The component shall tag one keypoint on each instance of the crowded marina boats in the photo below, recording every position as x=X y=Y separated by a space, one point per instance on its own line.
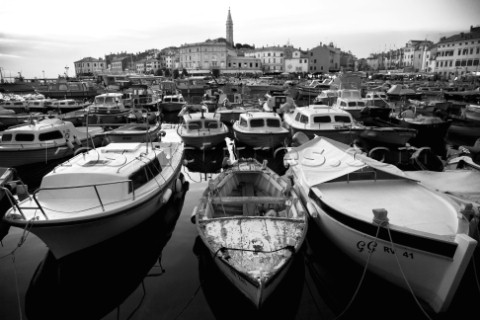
x=407 y=134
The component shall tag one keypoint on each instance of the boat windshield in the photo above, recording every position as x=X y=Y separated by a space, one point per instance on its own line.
x=106 y=100
x=343 y=119
x=274 y=123
x=211 y=124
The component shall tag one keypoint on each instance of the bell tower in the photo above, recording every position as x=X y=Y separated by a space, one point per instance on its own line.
x=229 y=29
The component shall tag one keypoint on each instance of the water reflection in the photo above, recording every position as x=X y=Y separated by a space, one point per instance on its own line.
x=91 y=283
x=227 y=302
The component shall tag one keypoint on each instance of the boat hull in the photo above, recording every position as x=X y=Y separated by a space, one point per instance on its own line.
x=463 y=133
x=386 y=136
x=257 y=293
x=432 y=278
x=347 y=136
x=269 y=140
x=67 y=238
x=172 y=106
x=205 y=141
x=15 y=157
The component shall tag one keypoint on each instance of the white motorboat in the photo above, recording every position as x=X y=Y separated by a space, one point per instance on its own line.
x=99 y=194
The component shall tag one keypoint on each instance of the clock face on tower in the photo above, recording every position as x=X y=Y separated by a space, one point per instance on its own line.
x=289 y=66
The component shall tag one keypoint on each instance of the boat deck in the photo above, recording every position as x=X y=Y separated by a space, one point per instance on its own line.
x=408 y=204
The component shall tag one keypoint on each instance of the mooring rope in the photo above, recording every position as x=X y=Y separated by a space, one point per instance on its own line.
x=404 y=277
x=17 y=287
x=362 y=278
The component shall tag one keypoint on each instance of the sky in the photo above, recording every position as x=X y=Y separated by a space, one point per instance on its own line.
x=44 y=38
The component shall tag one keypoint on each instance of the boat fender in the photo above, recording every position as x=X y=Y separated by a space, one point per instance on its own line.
x=193 y=216
x=166 y=195
x=77 y=140
x=178 y=186
x=271 y=213
x=380 y=216
x=69 y=144
x=311 y=209
x=11 y=186
x=22 y=191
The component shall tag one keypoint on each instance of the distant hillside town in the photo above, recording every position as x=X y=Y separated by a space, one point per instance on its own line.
x=452 y=56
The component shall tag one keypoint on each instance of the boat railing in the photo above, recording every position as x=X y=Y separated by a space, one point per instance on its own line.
x=45 y=144
x=101 y=204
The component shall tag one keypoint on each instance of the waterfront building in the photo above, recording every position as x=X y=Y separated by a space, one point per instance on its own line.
x=89 y=66
x=298 y=63
x=324 y=59
x=272 y=58
x=459 y=54
x=140 y=66
x=169 y=58
x=205 y=56
x=347 y=61
x=121 y=63
x=238 y=64
x=151 y=66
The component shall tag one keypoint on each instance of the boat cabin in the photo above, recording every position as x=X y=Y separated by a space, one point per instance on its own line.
x=322 y=116
x=173 y=99
x=108 y=103
x=259 y=120
x=201 y=121
x=39 y=132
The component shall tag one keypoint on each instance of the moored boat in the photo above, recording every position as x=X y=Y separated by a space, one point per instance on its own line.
x=253 y=225
x=172 y=103
x=406 y=233
x=323 y=120
x=107 y=108
x=350 y=100
x=66 y=105
x=260 y=130
x=45 y=140
x=99 y=194
x=202 y=130
x=135 y=132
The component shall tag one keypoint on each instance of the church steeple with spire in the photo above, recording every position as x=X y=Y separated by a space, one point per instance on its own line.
x=229 y=28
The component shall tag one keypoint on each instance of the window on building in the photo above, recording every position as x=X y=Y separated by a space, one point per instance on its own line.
x=475 y=62
x=469 y=63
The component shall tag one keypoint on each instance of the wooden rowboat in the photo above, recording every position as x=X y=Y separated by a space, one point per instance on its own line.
x=253 y=224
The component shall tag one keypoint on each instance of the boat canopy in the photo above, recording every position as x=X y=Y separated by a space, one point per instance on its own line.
x=464 y=184
x=321 y=160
